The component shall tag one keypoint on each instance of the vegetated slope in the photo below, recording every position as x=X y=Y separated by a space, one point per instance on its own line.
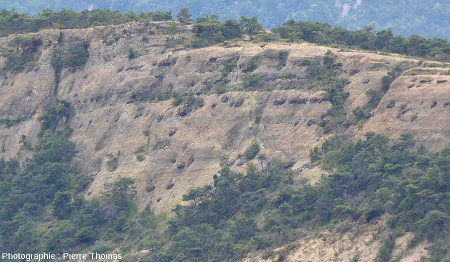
x=170 y=118
x=209 y=31
x=428 y=18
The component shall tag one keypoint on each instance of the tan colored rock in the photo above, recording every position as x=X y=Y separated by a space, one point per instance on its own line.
x=354 y=243
x=414 y=104
x=168 y=154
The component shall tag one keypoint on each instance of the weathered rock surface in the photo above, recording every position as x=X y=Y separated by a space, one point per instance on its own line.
x=417 y=104
x=168 y=149
x=120 y=110
x=349 y=243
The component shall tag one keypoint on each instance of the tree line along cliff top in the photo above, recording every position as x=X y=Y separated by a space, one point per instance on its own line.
x=427 y=17
x=209 y=30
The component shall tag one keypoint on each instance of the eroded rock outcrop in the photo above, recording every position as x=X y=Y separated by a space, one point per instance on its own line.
x=126 y=110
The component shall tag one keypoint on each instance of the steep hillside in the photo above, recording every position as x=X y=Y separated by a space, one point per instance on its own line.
x=170 y=118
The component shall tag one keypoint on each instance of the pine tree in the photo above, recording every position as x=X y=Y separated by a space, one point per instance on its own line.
x=184 y=16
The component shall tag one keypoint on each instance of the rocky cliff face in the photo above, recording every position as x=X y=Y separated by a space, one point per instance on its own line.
x=171 y=117
x=347 y=243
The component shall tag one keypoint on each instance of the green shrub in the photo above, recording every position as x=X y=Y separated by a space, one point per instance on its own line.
x=335 y=118
x=385 y=252
x=252 y=66
x=282 y=58
x=140 y=153
x=44 y=183
x=250 y=26
x=252 y=82
x=178 y=101
x=20 y=54
x=53 y=116
x=112 y=163
x=267 y=37
x=172 y=42
x=9 y=122
x=209 y=31
x=387 y=80
x=76 y=55
x=191 y=103
x=228 y=67
x=161 y=144
x=61 y=204
x=258 y=119
x=146 y=95
x=183 y=16
x=57 y=62
x=172 y=30
x=314 y=154
x=314 y=68
x=365 y=38
x=433 y=223
x=252 y=152
x=104 y=248
x=359 y=114
x=132 y=54
x=221 y=88
x=16 y=23
x=391 y=104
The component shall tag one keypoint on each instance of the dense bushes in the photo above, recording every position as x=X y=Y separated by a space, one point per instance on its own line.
x=132 y=53
x=43 y=208
x=189 y=103
x=172 y=30
x=251 y=152
x=209 y=30
x=12 y=22
x=26 y=194
x=427 y=17
x=74 y=56
x=238 y=213
x=367 y=38
x=323 y=75
x=252 y=82
x=20 y=53
x=370 y=178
